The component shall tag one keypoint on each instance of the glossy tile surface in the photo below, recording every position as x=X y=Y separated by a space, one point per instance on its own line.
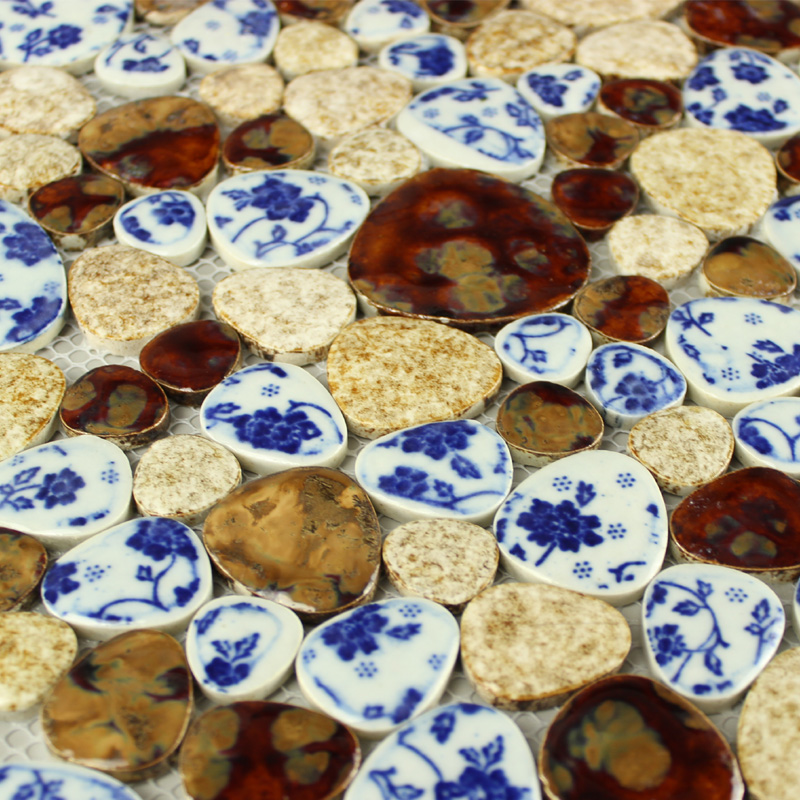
x=23 y=563
x=592 y=139
x=74 y=783
x=556 y=89
x=651 y=105
x=768 y=435
x=594 y=199
x=271 y=141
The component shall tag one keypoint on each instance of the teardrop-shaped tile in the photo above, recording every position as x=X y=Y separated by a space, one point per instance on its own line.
x=24 y=560
x=768 y=435
x=74 y=783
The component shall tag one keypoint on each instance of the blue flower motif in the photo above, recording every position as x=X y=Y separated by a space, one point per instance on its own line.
x=640 y=393
x=548 y=88
x=436 y=440
x=356 y=632
x=703 y=77
x=173 y=210
x=483 y=779
x=58 y=581
x=743 y=118
x=64 y=36
x=402 y=7
x=132 y=225
x=433 y=61
x=749 y=434
x=268 y=429
x=160 y=538
x=60 y=488
x=667 y=642
x=256 y=23
x=223 y=669
x=751 y=73
x=700 y=114
x=779 y=106
x=279 y=199
x=149 y=64
x=770 y=373
x=405 y=482
x=33 y=320
x=29 y=244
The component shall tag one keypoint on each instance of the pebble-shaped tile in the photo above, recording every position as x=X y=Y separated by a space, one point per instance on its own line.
x=285 y=218
x=781 y=230
x=66 y=491
x=595 y=523
x=30 y=160
x=476 y=123
x=375 y=23
x=529 y=646
x=311 y=45
x=457 y=469
x=768 y=435
x=591 y=139
x=307 y=538
x=283 y=750
x=33 y=292
x=37 y=651
x=275 y=417
x=588 y=15
x=376 y=666
x=460 y=18
x=787 y=160
x=123 y=708
x=709 y=631
x=556 y=89
x=626 y=382
x=169 y=224
x=140 y=65
x=650 y=105
x=448 y=561
x=727 y=373
x=227 y=32
x=24 y=561
x=242 y=648
x=144 y=573
x=548 y=347
x=447 y=750
x=271 y=141
x=428 y=60
x=73 y=782
x=241 y=93
x=331 y=11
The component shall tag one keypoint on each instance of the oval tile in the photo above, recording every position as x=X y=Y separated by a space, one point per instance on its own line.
x=24 y=561
x=374 y=23
x=556 y=89
x=768 y=435
x=74 y=783
x=650 y=105
x=463 y=16
x=331 y=11
x=271 y=141
x=427 y=60
x=591 y=139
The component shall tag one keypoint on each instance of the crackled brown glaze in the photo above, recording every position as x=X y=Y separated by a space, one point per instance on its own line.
x=591 y=139
x=594 y=199
x=651 y=105
x=272 y=141
x=23 y=560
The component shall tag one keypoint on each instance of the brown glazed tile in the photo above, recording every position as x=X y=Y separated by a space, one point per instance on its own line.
x=307 y=538
x=272 y=141
x=650 y=105
x=123 y=708
x=483 y=252
x=462 y=13
x=23 y=561
x=267 y=750
x=331 y=11
x=787 y=160
x=591 y=139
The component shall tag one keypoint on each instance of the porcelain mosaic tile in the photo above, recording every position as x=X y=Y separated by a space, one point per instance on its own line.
x=242 y=648
x=331 y=11
x=375 y=23
x=768 y=435
x=145 y=573
x=427 y=60
x=24 y=560
x=556 y=89
x=595 y=523
x=376 y=666
x=66 y=491
x=650 y=105
x=781 y=231
x=30 y=160
x=237 y=94
x=455 y=749
x=591 y=139
x=459 y=19
x=586 y=15
x=165 y=12
x=311 y=45
x=787 y=160
x=271 y=141
x=73 y=782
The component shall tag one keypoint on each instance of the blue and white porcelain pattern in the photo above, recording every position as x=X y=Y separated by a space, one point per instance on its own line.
x=781 y=228
x=768 y=435
x=65 y=491
x=544 y=347
x=594 y=522
x=461 y=750
x=286 y=218
x=556 y=89
x=456 y=469
x=727 y=372
x=375 y=23
x=378 y=665
x=33 y=285
x=626 y=382
x=796 y=609
x=170 y=224
x=151 y=572
x=709 y=631
x=743 y=90
x=274 y=417
x=427 y=61
x=242 y=648
x=140 y=65
x=478 y=124
x=60 y=33
x=47 y=780
x=224 y=33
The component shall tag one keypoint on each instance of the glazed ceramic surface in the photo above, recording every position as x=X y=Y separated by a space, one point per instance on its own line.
x=781 y=229
x=459 y=469
x=373 y=23
x=70 y=782
x=271 y=141
x=592 y=139
x=24 y=560
x=595 y=523
x=379 y=665
x=593 y=198
x=556 y=89
x=651 y=105
x=427 y=61
x=768 y=435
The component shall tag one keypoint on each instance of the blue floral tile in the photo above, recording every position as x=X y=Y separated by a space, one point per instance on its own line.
x=727 y=372
x=544 y=347
x=738 y=89
x=461 y=750
x=478 y=124
x=140 y=65
x=796 y=609
x=33 y=286
x=223 y=33
x=593 y=522
x=427 y=61
x=457 y=469
x=242 y=648
x=145 y=573
x=170 y=224
x=709 y=631
x=60 y=781
x=374 y=23
x=60 y=33
x=556 y=89
x=781 y=228
x=275 y=417
x=768 y=435
x=379 y=665
x=287 y=218
x=626 y=382
x=65 y=491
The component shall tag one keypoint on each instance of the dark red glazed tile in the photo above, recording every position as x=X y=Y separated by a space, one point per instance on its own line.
x=591 y=139
x=189 y=360
x=466 y=248
x=117 y=403
x=788 y=161
x=594 y=199
x=331 y=11
x=650 y=105
x=467 y=13
x=748 y=519
x=272 y=141
x=629 y=738
x=625 y=308
x=23 y=561
x=250 y=750
x=157 y=143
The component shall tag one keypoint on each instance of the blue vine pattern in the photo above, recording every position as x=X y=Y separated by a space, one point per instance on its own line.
x=433 y=62
x=40 y=788
x=750 y=434
x=170 y=208
x=150 y=63
x=535 y=358
x=54 y=489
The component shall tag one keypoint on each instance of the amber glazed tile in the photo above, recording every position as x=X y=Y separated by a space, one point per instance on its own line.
x=650 y=105
x=307 y=538
x=629 y=738
x=272 y=141
x=123 y=708
x=331 y=11
x=787 y=160
x=591 y=139
x=23 y=560
x=250 y=750
x=462 y=13
x=158 y=143
x=748 y=519
x=483 y=252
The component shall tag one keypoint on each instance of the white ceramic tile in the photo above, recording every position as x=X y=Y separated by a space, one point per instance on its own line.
x=68 y=780
x=374 y=23
x=428 y=60
x=768 y=435
x=781 y=229
x=556 y=89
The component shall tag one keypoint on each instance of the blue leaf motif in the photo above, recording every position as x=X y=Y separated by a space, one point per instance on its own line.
x=622 y=358
x=223 y=647
x=404 y=632
x=704 y=589
x=713 y=663
x=585 y=493
x=443 y=726
x=25 y=476
x=144 y=573
x=244 y=647
x=278 y=233
x=472 y=755
x=761 y=611
x=476 y=134
x=9 y=304
x=207 y=621
x=687 y=608
x=470 y=119
x=464 y=467
x=22 y=503
x=766 y=346
x=493 y=752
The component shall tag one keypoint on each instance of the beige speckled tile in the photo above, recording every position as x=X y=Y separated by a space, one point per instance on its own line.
x=309 y=46
x=30 y=160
